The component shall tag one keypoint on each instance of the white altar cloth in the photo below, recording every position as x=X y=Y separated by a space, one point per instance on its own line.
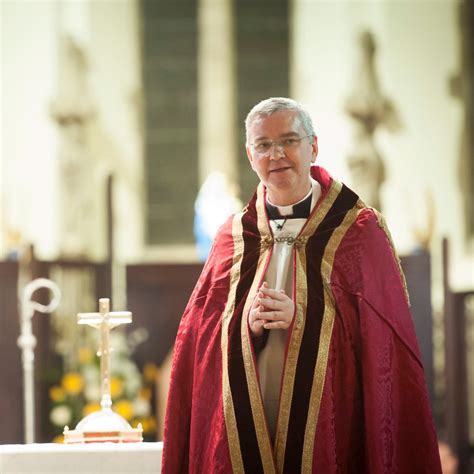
x=93 y=458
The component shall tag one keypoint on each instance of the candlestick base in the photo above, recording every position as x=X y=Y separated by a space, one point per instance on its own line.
x=101 y=427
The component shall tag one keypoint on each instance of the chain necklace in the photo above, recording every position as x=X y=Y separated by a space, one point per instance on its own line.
x=280 y=226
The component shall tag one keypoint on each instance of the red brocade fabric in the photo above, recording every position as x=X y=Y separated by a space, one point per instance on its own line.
x=195 y=430
x=374 y=414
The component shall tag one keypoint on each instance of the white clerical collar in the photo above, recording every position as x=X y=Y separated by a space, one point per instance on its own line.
x=288 y=210
x=315 y=190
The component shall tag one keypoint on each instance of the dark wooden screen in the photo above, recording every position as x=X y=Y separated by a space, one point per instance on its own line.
x=157 y=295
x=11 y=394
x=417 y=269
x=457 y=405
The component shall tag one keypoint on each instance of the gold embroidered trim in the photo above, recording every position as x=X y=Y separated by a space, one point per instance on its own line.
x=301 y=297
x=317 y=217
x=325 y=339
x=383 y=225
x=291 y=358
x=266 y=241
x=229 y=413
x=256 y=403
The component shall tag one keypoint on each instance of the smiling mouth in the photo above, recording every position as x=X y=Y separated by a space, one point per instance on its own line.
x=280 y=170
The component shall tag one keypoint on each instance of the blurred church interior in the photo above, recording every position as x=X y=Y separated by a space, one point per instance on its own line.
x=117 y=113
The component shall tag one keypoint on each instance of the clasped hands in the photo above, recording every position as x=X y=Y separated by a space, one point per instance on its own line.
x=271 y=309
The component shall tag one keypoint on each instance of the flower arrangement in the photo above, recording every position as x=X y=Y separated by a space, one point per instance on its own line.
x=76 y=393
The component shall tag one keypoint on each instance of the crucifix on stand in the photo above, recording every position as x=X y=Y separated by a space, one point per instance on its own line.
x=104 y=425
x=105 y=320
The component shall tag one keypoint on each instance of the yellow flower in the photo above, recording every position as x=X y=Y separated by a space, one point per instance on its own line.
x=58 y=439
x=145 y=393
x=124 y=408
x=86 y=355
x=56 y=394
x=72 y=383
x=116 y=387
x=149 y=372
x=90 y=408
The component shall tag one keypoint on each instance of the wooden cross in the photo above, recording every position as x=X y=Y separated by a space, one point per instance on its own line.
x=105 y=320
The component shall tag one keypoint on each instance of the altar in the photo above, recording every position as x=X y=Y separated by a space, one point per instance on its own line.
x=93 y=458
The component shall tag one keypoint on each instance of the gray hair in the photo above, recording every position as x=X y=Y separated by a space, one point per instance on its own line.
x=275 y=104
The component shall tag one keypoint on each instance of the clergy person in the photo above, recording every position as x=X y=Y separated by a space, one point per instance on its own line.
x=297 y=351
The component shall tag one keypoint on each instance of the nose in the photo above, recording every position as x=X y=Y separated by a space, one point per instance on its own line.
x=276 y=151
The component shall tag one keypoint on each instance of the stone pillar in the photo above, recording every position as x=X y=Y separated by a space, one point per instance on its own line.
x=216 y=90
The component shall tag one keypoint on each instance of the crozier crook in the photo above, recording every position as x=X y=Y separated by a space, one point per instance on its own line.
x=27 y=343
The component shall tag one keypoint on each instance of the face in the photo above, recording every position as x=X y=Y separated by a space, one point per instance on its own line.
x=283 y=170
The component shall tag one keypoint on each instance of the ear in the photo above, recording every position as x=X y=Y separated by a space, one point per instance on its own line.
x=250 y=157
x=314 y=149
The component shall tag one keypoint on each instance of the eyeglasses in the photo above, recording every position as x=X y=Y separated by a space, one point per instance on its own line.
x=287 y=144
